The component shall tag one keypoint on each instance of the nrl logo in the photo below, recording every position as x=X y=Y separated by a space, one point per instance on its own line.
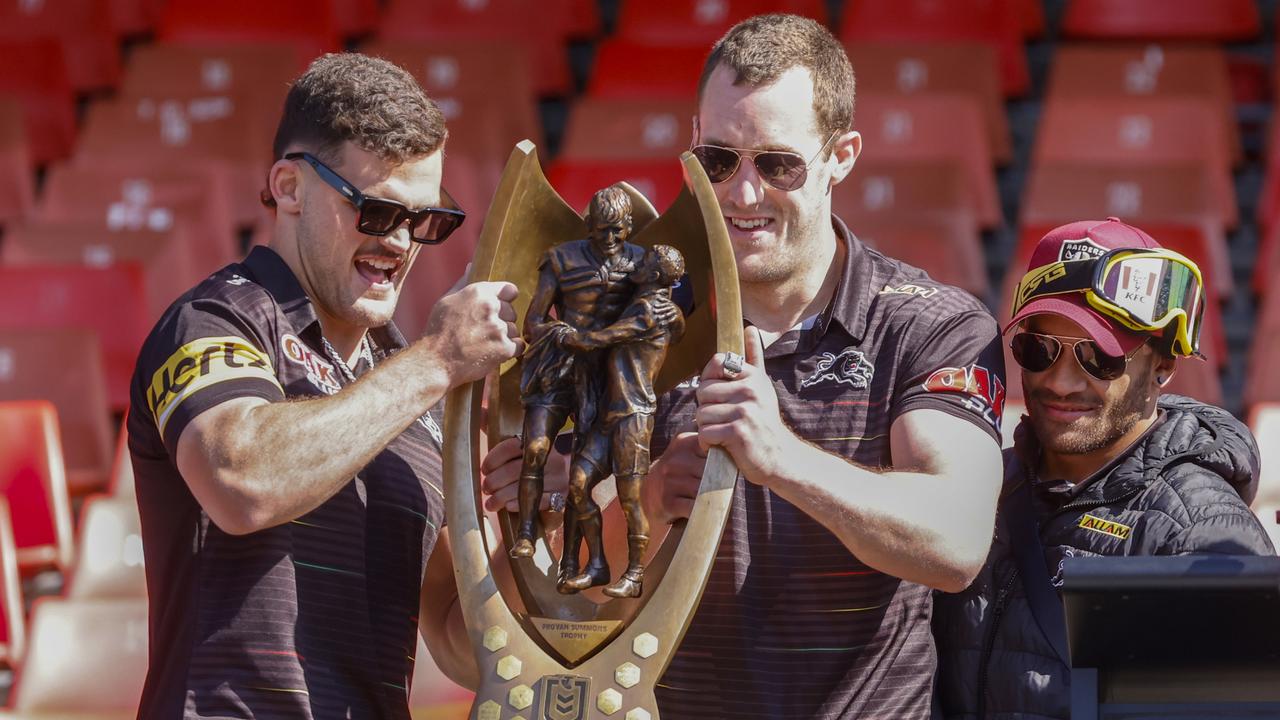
x=850 y=367
x=564 y=697
x=910 y=289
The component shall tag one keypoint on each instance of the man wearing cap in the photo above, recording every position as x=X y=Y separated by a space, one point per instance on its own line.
x=1102 y=464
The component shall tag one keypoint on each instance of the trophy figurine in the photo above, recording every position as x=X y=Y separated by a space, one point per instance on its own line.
x=605 y=338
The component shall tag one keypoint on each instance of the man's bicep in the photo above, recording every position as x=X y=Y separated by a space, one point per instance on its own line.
x=201 y=452
x=935 y=442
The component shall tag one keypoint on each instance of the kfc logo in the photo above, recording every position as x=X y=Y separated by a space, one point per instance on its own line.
x=850 y=368
x=319 y=372
x=983 y=390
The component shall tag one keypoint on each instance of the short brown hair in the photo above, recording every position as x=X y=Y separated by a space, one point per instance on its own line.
x=669 y=261
x=349 y=97
x=760 y=49
x=612 y=204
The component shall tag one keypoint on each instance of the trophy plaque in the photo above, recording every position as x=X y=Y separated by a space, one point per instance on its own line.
x=554 y=653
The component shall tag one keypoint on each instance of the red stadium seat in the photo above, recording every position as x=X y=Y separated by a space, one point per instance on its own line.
x=1192 y=72
x=1264 y=422
x=1175 y=201
x=669 y=72
x=432 y=695
x=997 y=23
x=658 y=180
x=306 y=26
x=109 y=557
x=1267 y=263
x=34 y=74
x=918 y=68
x=537 y=29
x=700 y=22
x=135 y=17
x=65 y=368
x=1147 y=131
x=1218 y=20
x=353 y=18
x=83 y=30
x=122 y=484
x=179 y=131
x=13 y=616
x=34 y=483
x=164 y=255
x=1032 y=14
x=191 y=196
x=87 y=659
x=258 y=73
x=918 y=212
x=109 y=301
x=610 y=130
x=1197 y=379
x=932 y=127
x=16 y=182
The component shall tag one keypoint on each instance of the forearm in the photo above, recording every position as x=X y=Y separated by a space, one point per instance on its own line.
x=930 y=529
x=274 y=462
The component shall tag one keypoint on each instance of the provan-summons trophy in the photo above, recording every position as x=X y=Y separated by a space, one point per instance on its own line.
x=606 y=337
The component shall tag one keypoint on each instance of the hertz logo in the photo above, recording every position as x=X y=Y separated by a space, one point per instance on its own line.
x=199 y=364
x=1106 y=527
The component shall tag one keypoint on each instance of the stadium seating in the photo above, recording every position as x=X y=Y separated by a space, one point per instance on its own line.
x=65 y=368
x=161 y=133
x=699 y=22
x=1192 y=72
x=164 y=256
x=33 y=481
x=932 y=127
x=109 y=554
x=658 y=180
x=537 y=29
x=86 y=659
x=109 y=301
x=132 y=18
x=17 y=189
x=611 y=130
x=670 y=73
x=1142 y=131
x=13 y=615
x=306 y=26
x=121 y=484
x=82 y=29
x=965 y=68
x=1264 y=422
x=192 y=197
x=997 y=23
x=35 y=74
x=1162 y=19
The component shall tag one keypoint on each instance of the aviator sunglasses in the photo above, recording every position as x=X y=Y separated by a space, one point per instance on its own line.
x=782 y=169
x=379 y=216
x=1036 y=353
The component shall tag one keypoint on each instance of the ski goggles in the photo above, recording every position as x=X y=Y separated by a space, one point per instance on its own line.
x=1150 y=290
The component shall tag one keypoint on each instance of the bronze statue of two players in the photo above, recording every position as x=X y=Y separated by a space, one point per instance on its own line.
x=605 y=340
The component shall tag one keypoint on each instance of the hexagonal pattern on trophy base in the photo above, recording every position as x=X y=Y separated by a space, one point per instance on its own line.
x=509 y=667
x=645 y=645
x=609 y=701
x=495 y=638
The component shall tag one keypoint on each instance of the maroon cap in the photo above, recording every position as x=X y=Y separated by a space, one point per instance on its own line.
x=1085 y=240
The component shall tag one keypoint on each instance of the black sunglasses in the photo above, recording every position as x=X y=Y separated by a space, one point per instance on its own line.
x=379 y=216
x=1036 y=353
x=782 y=169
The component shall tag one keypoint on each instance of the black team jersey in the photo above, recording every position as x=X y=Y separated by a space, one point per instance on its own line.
x=792 y=625
x=314 y=618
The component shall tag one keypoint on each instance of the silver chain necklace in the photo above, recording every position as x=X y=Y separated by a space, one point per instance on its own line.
x=342 y=364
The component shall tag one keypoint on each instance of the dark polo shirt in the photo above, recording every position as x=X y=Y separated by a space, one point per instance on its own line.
x=315 y=618
x=792 y=625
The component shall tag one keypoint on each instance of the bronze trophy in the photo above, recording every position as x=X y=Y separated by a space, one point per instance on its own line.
x=605 y=340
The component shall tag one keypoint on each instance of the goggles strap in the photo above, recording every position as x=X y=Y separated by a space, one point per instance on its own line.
x=1054 y=279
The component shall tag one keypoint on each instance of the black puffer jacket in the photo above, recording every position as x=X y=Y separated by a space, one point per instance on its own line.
x=1183 y=488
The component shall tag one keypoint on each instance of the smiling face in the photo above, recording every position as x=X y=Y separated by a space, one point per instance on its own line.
x=354 y=279
x=1076 y=414
x=775 y=233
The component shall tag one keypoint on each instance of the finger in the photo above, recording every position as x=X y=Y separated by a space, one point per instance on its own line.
x=716 y=435
x=507 y=291
x=507 y=497
x=687 y=440
x=501 y=453
x=754 y=346
x=512 y=331
x=718 y=414
x=507 y=312
x=725 y=391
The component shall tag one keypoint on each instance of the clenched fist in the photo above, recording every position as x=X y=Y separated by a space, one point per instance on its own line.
x=472 y=330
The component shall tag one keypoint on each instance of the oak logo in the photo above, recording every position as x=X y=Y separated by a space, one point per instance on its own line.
x=1106 y=527
x=983 y=390
x=199 y=364
x=319 y=372
x=910 y=289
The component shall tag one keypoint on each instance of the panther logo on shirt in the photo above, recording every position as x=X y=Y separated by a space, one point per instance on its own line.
x=849 y=367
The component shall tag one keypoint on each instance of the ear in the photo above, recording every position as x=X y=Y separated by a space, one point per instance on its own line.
x=1166 y=367
x=285 y=184
x=845 y=149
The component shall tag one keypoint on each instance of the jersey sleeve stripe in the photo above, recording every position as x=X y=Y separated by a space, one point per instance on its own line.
x=200 y=364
